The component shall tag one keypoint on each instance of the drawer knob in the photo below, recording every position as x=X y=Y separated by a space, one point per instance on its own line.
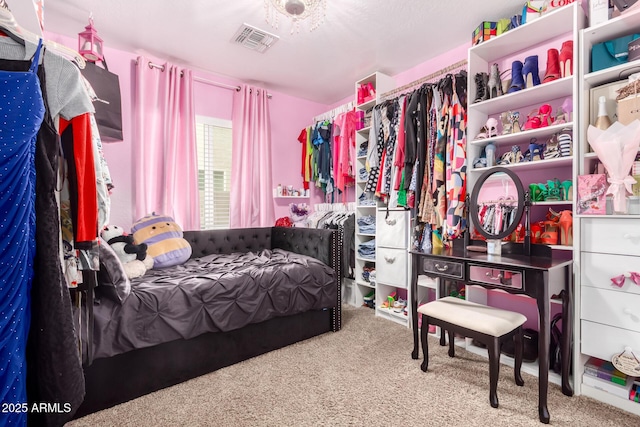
x=498 y=277
x=627 y=311
x=390 y=221
x=631 y=236
x=389 y=259
x=441 y=267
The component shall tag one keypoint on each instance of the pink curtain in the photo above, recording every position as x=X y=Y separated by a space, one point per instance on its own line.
x=166 y=167
x=251 y=189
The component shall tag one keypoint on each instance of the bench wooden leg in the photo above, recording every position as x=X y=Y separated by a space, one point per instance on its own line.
x=518 y=339
x=494 y=370
x=425 y=345
x=452 y=345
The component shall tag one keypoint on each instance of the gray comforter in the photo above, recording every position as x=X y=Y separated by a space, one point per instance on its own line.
x=213 y=293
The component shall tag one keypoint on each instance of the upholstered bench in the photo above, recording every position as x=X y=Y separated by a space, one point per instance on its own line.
x=488 y=325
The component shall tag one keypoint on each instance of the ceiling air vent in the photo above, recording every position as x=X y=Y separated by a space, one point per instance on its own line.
x=254 y=39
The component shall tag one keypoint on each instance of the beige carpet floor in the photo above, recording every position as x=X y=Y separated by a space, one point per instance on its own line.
x=362 y=375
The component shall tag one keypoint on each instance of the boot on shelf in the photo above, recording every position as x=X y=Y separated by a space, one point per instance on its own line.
x=482 y=92
x=531 y=72
x=517 y=78
x=494 y=83
x=566 y=59
x=553 y=66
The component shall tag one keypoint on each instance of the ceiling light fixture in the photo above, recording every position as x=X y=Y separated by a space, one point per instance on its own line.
x=296 y=10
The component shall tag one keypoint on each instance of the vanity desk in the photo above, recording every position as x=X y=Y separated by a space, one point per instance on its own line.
x=514 y=273
x=516 y=268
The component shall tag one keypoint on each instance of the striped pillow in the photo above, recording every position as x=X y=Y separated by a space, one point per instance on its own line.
x=163 y=238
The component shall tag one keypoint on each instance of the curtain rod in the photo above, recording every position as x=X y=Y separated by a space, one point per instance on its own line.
x=201 y=80
x=425 y=79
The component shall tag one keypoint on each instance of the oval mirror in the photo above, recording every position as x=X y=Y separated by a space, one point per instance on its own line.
x=497 y=203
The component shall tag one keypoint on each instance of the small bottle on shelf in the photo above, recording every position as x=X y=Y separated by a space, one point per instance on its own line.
x=602 y=121
x=279 y=190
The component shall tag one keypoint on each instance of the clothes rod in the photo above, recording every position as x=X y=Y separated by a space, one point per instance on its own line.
x=334 y=112
x=425 y=79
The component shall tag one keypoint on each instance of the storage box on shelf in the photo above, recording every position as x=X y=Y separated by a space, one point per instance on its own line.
x=609 y=245
x=550 y=31
x=392 y=263
x=366 y=205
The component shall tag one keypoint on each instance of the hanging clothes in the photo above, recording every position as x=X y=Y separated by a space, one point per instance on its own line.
x=456 y=162
x=305 y=164
x=54 y=367
x=22 y=114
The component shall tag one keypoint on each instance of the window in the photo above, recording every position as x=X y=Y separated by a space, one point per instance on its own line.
x=213 y=137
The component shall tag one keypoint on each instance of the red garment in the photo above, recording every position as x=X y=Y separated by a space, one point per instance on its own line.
x=304 y=168
x=400 y=144
x=78 y=150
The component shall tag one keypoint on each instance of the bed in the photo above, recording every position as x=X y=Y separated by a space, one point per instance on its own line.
x=213 y=310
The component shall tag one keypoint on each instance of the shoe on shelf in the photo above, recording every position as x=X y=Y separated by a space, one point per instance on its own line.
x=507 y=125
x=535 y=193
x=550 y=234
x=565 y=224
x=533 y=121
x=534 y=153
x=552 y=148
x=370 y=296
x=482 y=92
x=490 y=154
x=399 y=305
x=563 y=114
x=530 y=71
x=553 y=66
x=512 y=156
x=494 y=84
x=514 y=117
x=489 y=130
x=567 y=187
x=544 y=112
x=566 y=59
x=505 y=78
x=517 y=78
x=565 y=142
x=554 y=192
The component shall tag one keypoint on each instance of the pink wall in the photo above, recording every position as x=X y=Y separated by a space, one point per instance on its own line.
x=288 y=116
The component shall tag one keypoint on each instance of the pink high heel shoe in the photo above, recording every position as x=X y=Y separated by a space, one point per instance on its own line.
x=545 y=115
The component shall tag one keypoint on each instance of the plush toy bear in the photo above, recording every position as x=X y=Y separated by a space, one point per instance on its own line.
x=164 y=237
x=134 y=258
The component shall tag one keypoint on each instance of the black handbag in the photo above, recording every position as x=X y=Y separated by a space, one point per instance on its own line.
x=107 y=101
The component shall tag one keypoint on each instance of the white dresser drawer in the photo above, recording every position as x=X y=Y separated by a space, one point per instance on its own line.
x=604 y=341
x=611 y=235
x=597 y=270
x=391 y=230
x=619 y=309
x=391 y=267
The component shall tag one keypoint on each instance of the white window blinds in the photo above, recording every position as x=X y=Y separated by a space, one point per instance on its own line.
x=213 y=137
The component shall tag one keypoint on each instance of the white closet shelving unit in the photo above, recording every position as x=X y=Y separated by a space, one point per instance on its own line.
x=533 y=38
x=381 y=83
x=606 y=315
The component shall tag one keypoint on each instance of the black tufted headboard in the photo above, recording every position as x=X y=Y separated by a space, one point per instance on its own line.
x=317 y=243
x=207 y=242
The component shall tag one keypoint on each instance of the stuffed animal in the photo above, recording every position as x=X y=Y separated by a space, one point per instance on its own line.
x=134 y=258
x=164 y=239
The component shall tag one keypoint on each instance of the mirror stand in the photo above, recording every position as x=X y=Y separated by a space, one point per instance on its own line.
x=527 y=224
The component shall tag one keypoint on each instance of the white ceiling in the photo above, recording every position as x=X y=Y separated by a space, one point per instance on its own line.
x=357 y=38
